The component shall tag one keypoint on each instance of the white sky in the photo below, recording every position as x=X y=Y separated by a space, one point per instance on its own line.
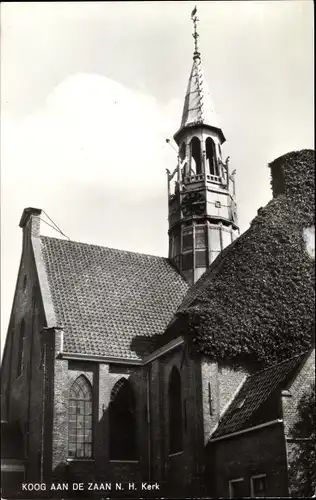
x=90 y=91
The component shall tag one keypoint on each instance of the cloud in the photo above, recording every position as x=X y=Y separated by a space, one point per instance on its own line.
x=94 y=157
x=91 y=127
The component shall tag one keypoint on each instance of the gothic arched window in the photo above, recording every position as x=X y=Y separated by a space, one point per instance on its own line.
x=122 y=433
x=80 y=419
x=211 y=156
x=175 y=412
x=196 y=165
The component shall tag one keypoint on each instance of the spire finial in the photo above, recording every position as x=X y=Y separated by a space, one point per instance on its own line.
x=195 y=34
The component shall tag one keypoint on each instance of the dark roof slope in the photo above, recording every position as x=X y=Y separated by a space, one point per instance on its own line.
x=110 y=302
x=255 y=304
x=254 y=393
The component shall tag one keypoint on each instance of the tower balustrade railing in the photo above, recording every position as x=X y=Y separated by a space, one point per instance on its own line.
x=200 y=177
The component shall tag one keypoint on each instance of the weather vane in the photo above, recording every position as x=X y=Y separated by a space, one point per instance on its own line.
x=195 y=35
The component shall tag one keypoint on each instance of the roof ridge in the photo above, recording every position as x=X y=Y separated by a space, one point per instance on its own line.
x=102 y=246
x=279 y=363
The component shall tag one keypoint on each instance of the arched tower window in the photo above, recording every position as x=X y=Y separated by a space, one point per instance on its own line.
x=211 y=156
x=80 y=419
x=175 y=412
x=122 y=422
x=182 y=151
x=21 y=348
x=182 y=155
x=196 y=164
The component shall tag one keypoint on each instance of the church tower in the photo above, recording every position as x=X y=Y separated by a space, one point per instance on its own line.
x=201 y=190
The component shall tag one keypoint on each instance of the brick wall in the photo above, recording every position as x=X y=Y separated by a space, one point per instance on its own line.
x=300 y=385
x=219 y=386
x=257 y=452
x=47 y=410
x=100 y=468
x=181 y=472
x=22 y=394
x=36 y=387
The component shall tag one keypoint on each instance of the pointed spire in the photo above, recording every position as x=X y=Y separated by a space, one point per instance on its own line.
x=198 y=106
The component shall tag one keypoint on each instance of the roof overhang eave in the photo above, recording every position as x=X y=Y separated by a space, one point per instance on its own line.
x=179 y=134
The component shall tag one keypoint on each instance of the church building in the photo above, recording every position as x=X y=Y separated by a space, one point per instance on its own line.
x=174 y=376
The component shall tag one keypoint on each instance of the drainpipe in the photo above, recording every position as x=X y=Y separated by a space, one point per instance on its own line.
x=149 y=421
x=43 y=413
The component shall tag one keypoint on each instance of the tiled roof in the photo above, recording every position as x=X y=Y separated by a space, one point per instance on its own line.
x=254 y=393
x=110 y=302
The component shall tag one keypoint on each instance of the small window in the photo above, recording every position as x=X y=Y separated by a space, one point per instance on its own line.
x=187 y=261
x=236 y=488
x=201 y=258
x=215 y=239
x=258 y=486
x=80 y=419
x=218 y=204
x=200 y=237
x=187 y=239
x=21 y=349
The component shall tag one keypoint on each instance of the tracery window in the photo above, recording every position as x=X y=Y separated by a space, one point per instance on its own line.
x=80 y=419
x=175 y=412
x=122 y=420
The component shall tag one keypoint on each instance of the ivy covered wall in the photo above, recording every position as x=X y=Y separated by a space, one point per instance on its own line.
x=255 y=304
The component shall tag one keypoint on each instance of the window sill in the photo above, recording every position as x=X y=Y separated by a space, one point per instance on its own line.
x=80 y=459
x=175 y=454
x=124 y=461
